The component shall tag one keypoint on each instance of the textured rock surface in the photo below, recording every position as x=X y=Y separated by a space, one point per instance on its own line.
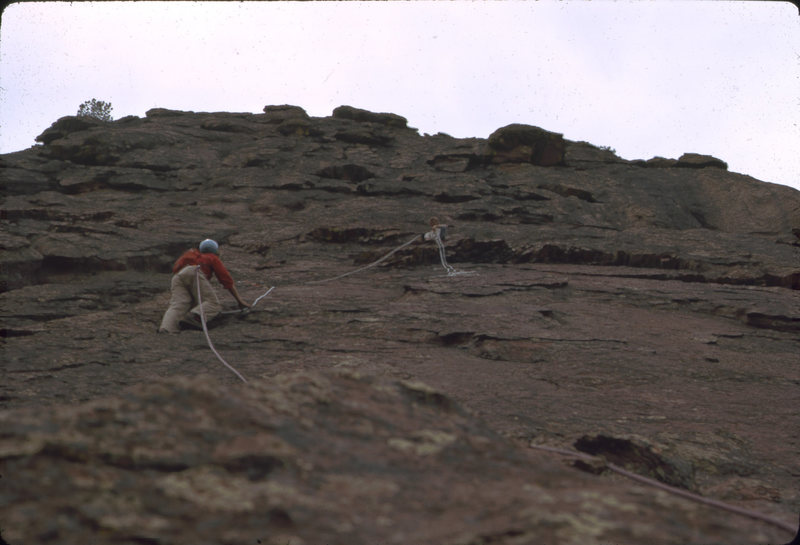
x=647 y=311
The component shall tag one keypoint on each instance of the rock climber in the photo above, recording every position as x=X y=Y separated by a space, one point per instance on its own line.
x=437 y=230
x=183 y=304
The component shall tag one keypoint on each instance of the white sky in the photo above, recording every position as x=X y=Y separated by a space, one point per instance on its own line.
x=646 y=78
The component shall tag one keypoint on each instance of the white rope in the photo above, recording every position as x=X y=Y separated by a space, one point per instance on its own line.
x=262 y=296
x=364 y=268
x=451 y=271
x=203 y=317
x=241 y=310
x=205 y=327
x=667 y=488
x=374 y=263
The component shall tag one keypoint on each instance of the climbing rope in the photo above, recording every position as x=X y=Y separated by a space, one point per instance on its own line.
x=451 y=271
x=667 y=488
x=205 y=326
x=365 y=267
x=261 y=297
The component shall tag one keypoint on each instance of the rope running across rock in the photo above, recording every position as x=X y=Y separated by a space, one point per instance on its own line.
x=451 y=270
x=612 y=467
x=667 y=488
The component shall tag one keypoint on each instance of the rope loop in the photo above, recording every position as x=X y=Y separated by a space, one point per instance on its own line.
x=451 y=271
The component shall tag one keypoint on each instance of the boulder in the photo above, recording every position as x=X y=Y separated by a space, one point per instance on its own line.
x=696 y=160
x=68 y=125
x=660 y=162
x=281 y=113
x=519 y=143
x=365 y=116
x=165 y=112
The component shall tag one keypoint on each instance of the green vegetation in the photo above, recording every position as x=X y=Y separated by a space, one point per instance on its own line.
x=96 y=108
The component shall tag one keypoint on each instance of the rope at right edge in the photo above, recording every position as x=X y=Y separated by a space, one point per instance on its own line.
x=667 y=488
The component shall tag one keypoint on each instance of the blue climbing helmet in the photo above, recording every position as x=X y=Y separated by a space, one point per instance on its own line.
x=208 y=246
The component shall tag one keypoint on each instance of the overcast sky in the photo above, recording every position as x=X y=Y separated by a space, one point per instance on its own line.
x=647 y=78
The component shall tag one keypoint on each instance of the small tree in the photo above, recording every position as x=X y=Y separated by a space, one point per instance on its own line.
x=96 y=108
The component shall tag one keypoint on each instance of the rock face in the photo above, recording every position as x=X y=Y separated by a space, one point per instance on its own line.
x=645 y=311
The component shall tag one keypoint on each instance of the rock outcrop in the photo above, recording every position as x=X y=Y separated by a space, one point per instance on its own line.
x=525 y=144
x=645 y=311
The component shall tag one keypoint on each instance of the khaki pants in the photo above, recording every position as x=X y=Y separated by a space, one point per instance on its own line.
x=183 y=299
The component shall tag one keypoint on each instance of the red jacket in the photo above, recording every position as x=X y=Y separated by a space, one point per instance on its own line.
x=208 y=263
